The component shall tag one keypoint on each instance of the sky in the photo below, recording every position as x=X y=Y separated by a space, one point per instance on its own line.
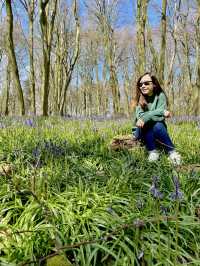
x=126 y=12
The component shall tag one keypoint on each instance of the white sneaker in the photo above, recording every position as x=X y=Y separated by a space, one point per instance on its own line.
x=175 y=157
x=153 y=156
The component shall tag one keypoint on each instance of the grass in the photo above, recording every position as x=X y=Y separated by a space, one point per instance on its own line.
x=70 y=198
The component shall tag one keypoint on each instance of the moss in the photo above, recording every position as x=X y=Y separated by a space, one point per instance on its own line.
x=58 y=260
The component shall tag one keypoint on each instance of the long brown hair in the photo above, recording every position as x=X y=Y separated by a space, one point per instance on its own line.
x=140 y=98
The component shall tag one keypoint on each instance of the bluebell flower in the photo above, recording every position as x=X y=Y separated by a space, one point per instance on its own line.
x=154 y=188
x=110 y=210
x=2 y=125
x=177 y=194
x=36 y=152
x=164 y=210
x=29 y=122
x=156 y=193
x=54 y=148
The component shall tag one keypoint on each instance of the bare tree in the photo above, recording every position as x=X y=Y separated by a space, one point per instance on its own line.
x=173 y=29
x=197 y=81
x=47 y=18
x=104 y=15
x=29 y=6
x=163 y=41
x=7 y=90
x=69 y=64
x=141 y=19
x=65 y=54
x=12 y=57
x=153 y=51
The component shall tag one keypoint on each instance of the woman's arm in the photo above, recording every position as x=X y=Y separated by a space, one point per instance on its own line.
x=139 y=112
x=159 y=111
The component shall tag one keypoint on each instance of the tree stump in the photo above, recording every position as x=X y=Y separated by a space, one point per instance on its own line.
x=123 y=142
x=6 y=169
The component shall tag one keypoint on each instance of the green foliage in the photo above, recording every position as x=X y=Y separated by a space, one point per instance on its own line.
x=58 y=261
x=68 y=194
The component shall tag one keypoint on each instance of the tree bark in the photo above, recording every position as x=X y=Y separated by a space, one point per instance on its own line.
x=163 y=42
x=141 y=43
x=7 y=89
x=155 y=59
x=70 y=68
x=197 y=101
x=12 y=57
x=47 y=35
x=31 y=57
x=29 y=6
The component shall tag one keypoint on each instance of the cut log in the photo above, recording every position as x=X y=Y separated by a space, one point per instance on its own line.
x=6 y=169
x=124 y=142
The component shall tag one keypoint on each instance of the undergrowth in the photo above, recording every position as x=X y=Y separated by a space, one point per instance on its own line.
x=69 y=196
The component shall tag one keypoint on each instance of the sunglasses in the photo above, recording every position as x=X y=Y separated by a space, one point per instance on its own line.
x=146 y=83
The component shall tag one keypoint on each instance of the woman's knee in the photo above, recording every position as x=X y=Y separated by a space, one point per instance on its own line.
x=159 y=126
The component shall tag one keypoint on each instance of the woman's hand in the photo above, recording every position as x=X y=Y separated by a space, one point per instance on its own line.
x=140 y=123
x=167 y=114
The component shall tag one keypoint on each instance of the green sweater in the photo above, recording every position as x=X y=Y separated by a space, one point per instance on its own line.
x=157 y=104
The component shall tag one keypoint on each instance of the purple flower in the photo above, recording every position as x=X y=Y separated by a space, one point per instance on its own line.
x=164 y=210
x=156 y=193
x=110 y=210
x=29 y=122
x=177 y=194
x=154 y=188
x=55 y=149
x=2 y=125
x=155 y=180
x=36 y=152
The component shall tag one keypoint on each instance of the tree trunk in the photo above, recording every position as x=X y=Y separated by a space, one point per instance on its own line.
x=115 y=90
x=12 y=57
x=73 y=60
x=6 y=110
x=31 y=58
x=141 y=25
x=197 y=102
x=110 y=47
x=47 y=35
x=170 y=76
x=163 y=42
x=153 y=51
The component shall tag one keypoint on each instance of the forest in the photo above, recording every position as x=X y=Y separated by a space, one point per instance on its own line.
x=82 y=58
x=77 y=188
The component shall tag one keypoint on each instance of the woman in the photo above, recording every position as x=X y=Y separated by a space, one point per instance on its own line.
x=151 y=111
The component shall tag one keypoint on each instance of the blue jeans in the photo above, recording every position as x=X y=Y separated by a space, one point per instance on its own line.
x=154 y=133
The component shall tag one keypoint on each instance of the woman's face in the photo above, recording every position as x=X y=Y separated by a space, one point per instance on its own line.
x=146 y=85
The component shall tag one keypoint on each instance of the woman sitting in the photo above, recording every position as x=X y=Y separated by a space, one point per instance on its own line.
x=151 y=111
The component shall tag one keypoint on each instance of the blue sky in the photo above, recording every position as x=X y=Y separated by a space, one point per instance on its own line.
x=127 y=11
